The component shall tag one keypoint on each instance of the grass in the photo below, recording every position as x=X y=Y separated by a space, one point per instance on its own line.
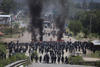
x=95 y=55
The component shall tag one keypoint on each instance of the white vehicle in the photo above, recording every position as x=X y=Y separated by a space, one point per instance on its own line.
x=5 y=19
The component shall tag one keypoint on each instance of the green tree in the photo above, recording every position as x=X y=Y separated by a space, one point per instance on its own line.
x=96 y=22
x=16 y=27
x=90 y=21
x=8 y=6
x=85 y=20
x=75 y=26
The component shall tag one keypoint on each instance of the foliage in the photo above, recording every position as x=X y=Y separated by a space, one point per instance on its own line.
x=2 y=48
x=90 y=21
x=75 y=26
x=7 y=31
x=16 y=27
x=12 y=59
x=95 y=55
x=7 y=6
x=2 y=63
x=75 y=59
x=2 y=51
x=23 y=29
x=20 y=56
x=79 y=36
x=91 y=35
x=98 y=64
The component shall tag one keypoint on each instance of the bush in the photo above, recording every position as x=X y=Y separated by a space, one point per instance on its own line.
x=91 y=35
x=20 y=56
x=2 y=63
x=98 y=64
x=12 y=59
x=2 y=48
x=75 y=59
x=95 y=55
x=16 y=57
x=75 y=26
x=7 y=31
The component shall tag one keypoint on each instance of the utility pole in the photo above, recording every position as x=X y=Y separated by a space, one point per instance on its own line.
x=91 y=15
x=11 y=26
x=90 y=23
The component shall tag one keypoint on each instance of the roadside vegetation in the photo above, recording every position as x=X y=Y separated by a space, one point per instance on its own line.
x=75 y=59
x=5 y=61
x=94 y=55
x=12 y=32
x=86 y=23
x=78 y=60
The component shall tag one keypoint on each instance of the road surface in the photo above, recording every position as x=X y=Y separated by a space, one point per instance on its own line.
x=55 y=65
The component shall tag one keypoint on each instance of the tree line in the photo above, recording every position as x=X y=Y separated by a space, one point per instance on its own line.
x=87 y=22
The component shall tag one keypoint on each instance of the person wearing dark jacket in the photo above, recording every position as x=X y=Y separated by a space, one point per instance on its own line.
x=66 y=60
x=40 y=59
x=62 y=59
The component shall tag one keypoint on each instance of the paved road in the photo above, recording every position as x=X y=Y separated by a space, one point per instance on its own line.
x=55 y=65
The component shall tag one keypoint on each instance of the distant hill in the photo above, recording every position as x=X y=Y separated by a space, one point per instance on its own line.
x=80 y=1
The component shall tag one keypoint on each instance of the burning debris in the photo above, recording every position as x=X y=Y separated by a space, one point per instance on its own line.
x=37 y=7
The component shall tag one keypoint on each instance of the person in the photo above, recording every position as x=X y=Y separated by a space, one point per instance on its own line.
x=62 y=59
x=52 y=58
x=32 y=57
x=40 y=59
x=46 y=58
x=55 y=58
x=36 y=58
x=66 y=60
x=58 y=59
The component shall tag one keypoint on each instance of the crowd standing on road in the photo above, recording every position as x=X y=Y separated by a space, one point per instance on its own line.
x=50 y=52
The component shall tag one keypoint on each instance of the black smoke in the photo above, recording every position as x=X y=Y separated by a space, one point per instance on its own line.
x=60 y=22
x=61 y=8
x=43 y=6
x=61 y=18
x=35 y=7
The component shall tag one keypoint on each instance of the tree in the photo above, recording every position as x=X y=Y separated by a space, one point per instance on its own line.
x=90 y=21
x=85 y=20
x=8 y=6
x=16 y=27
x=75 y=26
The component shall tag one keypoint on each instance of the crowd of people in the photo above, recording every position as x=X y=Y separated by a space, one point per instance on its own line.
x=49 y=52
x=17 y=48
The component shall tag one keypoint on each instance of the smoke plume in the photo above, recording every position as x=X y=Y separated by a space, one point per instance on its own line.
x=38 y=7
x=60 y=9
x=36 y=21
x=61 y=18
